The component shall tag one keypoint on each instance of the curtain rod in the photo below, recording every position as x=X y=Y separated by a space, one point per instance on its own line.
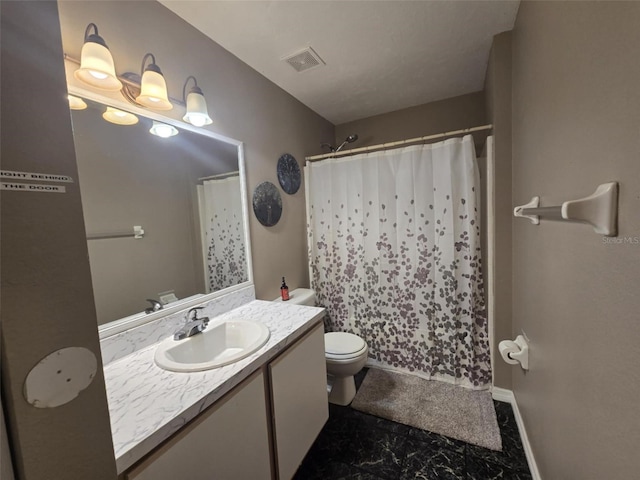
x=220 y=175
x=398 y=143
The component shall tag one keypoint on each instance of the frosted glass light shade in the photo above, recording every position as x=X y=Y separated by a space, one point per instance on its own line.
x=153 y=91
x=163 y=130
x=197 y=113
x=97 y=68
x=76 y=103
x=119 y=117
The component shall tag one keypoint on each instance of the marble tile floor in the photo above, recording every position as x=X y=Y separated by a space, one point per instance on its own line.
x=355 y=445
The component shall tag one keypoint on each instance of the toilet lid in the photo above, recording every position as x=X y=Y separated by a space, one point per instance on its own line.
x=342 y=343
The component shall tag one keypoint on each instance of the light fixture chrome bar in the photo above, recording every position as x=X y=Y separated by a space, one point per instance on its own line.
x=127 y=80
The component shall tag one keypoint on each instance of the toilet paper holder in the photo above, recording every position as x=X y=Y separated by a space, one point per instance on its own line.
x=515 y=351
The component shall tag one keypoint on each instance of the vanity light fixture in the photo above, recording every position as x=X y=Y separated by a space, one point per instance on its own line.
x=163 y=130
x=197 y=113
x=153 y=88
x=96 y=63
x=119 y=117
x=76 y=103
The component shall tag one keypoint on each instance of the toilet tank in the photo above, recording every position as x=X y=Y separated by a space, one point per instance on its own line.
x=301 y=296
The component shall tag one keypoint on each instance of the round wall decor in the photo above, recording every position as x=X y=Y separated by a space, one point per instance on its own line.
x=289 y=173
x=267 y=204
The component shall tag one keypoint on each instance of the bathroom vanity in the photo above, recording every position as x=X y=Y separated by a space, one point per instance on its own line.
x=255 y=418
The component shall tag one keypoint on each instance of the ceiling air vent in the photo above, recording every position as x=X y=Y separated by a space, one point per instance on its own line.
x=304 y=60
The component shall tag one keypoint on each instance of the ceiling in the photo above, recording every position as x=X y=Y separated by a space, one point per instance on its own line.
x=379 y=56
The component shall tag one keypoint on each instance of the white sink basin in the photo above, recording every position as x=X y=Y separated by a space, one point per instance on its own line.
x=218 y=345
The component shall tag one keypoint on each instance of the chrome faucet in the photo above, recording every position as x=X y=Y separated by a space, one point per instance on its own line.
x=155 y=306
x=193 y=326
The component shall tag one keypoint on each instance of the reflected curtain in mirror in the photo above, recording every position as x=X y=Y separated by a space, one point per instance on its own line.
x=221 y=226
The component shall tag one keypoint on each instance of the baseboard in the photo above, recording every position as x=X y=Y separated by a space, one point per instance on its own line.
x=504 y=395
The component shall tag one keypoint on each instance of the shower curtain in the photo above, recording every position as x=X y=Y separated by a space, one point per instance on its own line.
x=394 y=255
x=222 y=232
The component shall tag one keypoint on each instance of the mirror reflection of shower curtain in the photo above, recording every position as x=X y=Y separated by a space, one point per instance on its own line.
x=222 y=233
x=394 y=252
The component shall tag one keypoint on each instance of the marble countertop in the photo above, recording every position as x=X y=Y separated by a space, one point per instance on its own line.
x=148 y=404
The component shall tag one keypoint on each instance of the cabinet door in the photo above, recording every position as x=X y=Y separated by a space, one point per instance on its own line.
x=230 y=441
x=299 y=400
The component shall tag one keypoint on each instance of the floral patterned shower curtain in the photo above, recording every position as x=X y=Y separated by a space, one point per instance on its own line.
x=394 y=252
x=222 y=232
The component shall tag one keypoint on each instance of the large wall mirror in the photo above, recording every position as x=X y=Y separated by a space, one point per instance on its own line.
x=186 y=192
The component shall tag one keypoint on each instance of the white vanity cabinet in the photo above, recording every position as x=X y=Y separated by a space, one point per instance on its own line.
x=300 y=404
x=261 y=430
x=229 y=441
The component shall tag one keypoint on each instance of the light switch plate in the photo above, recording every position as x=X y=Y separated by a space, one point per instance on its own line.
x=167 y=297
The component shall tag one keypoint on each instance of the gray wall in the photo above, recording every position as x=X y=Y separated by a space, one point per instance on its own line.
x=436 y=117
x=47 y=302
x=498 y=105
x=243 y=104
x=576 y=120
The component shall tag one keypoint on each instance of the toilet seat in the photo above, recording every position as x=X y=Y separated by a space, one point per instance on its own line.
x=342 y=346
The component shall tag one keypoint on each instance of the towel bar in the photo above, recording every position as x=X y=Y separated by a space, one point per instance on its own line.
x=600 y=210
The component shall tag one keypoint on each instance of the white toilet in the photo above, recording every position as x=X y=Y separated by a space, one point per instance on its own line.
x=346 y=353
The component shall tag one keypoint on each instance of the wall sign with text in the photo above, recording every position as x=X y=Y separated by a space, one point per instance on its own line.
x=17 y=186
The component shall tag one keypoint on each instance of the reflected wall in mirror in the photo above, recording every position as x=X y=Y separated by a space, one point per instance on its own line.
x=184 y=191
